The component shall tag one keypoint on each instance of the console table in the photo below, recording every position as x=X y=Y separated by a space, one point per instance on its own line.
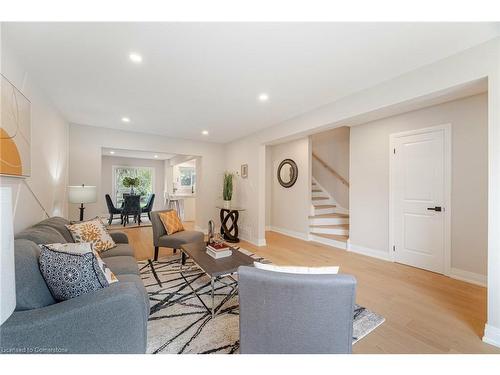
x=229 y=216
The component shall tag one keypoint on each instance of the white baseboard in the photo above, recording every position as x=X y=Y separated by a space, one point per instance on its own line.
x=260 y=242
x=268 y=228
x=470 y=277
x=491 y=335
x=290 y=233
x=379 y=254
x=257 y=242
x=455 y=273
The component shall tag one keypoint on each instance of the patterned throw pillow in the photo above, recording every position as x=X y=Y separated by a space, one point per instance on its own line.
x=171 y=222
x=92 y=231
x=70 y=274
x=83 y=248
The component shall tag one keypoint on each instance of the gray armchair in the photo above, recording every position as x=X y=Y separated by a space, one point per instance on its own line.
x=295 y=314
x=173 y=241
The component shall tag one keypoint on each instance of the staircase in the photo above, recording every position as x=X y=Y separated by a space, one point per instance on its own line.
x=328 y=222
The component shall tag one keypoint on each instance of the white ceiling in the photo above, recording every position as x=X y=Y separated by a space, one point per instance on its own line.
x=197 y=76
x=135 y=154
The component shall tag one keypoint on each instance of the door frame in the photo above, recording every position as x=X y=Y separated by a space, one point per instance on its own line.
x=447 y=189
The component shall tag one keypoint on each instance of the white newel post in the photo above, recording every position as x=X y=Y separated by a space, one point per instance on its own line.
x=492 y=328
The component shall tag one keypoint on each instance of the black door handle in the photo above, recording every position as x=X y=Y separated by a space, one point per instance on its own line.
x=437 y=208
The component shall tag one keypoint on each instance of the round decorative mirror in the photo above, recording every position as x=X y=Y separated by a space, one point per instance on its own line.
x=287 y=173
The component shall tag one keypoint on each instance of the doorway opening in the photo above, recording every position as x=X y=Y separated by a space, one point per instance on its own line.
x=161 y=181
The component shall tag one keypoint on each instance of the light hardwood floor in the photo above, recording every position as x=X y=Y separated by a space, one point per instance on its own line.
x=425 y=312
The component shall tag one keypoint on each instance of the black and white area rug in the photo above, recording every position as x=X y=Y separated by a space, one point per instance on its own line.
x=179 y=323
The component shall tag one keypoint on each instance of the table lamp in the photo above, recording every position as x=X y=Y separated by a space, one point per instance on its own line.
x=7 y=267
x=82 y=194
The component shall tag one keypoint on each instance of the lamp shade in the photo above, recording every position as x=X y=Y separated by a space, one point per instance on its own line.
x=82 y=194
x=7 y=267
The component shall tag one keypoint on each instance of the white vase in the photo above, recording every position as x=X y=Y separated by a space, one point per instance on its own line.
x=227 y=204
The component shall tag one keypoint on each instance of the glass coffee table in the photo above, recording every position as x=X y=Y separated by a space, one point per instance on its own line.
x=214 y=268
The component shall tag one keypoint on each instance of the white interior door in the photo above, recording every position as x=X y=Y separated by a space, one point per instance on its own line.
x=419 y=183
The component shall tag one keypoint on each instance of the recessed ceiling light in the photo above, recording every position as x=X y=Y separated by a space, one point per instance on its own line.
x=135 y=57
x=111 y=152
x=156 y=156
x=125 y=119
x=263 y=97
x=204 y=132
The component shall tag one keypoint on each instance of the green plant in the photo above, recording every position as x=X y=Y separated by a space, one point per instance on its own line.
x=131 y=182
x=227 y=189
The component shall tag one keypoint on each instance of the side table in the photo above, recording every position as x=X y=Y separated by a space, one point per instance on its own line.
x=229 y=216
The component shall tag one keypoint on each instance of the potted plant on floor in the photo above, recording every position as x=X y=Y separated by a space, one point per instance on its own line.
x=227 y=189
x=131 y=182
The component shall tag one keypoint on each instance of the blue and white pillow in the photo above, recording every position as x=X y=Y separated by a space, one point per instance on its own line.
x=72 y=272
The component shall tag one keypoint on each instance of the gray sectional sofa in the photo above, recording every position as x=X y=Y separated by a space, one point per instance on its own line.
x=110 y=320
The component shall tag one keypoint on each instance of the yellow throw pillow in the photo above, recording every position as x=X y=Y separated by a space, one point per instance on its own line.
x=171 y=222
x=92 y=231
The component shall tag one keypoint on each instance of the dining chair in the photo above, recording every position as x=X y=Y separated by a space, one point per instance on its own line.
x=148 y=206
x=131 y=206
x=112 y=210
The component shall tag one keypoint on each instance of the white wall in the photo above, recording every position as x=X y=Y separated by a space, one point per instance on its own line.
x=269 y=186
x=290 y=207
x=332 y=147
x=369 y=214
x=86 y=143
x=382 y=100
x=107 y=177
x=49 y=152
x=168 y=175
x=247 y=190
x=379 y=101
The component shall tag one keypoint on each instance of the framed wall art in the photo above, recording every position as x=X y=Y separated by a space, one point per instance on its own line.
x=15 y=131
x=244 y=170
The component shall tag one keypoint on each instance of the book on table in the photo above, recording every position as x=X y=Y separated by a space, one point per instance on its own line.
x=218 y=246
x=219 y=250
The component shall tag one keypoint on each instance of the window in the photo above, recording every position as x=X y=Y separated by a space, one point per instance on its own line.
x=187 y=176
x=145 y=188
x=184 y=178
